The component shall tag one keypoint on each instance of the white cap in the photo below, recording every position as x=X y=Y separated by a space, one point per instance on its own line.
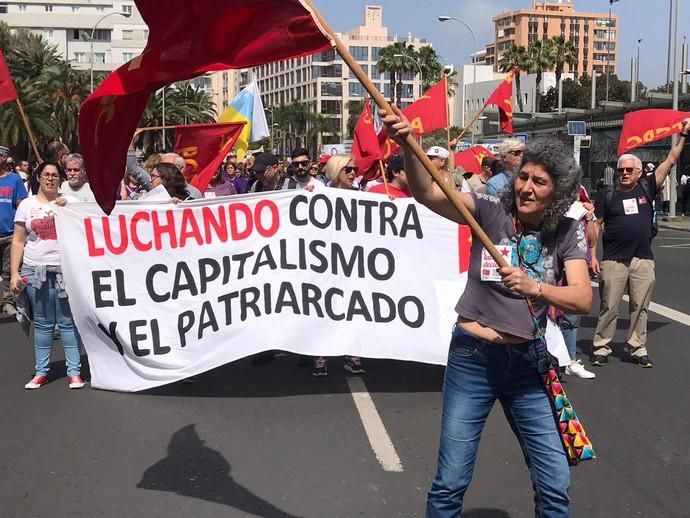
x=437 y=151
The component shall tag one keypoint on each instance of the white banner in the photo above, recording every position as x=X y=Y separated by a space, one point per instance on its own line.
x=161 y=292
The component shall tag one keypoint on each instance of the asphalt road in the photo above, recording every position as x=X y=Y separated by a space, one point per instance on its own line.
x=273 y=441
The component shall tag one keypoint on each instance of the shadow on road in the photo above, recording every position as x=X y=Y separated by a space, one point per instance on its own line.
x=282 y=377
x=197 y=471
x=485 y=513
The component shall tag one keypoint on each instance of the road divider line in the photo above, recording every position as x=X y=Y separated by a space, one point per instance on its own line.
x=664 y=311
x=373 y=426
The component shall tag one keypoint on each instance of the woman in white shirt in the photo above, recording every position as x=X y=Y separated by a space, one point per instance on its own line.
x=35 y=249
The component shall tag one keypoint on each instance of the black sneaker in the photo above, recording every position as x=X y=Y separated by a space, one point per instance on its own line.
x=320 y=367
x=599 y=360
x=354 y=365
x=643 y=361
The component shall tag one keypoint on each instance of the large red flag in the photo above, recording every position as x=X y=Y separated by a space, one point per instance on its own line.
x=503 y=99
x=430 y=111
x=471 y=159
x=366 y=147
x=203 y=147
x=186 y=39
x=7 y=91
x=644 y=126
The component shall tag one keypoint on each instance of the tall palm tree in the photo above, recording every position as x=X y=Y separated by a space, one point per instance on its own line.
x=317 y=125
x=354 y=110
x=432 y=70
x=29 y=55
x=69 y=89
x=540 y=58
x=563 y=52
x=392 y=60
x=38 y=110
x=515 y=57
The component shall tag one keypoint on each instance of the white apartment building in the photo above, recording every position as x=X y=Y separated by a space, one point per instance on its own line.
x=325 y=82
x=119 y=32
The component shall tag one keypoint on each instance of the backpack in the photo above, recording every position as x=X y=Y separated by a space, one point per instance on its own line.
x=645 y=188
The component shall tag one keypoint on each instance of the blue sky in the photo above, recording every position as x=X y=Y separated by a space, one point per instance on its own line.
x=646 y=19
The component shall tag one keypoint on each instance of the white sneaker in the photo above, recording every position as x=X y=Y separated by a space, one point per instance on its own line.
x=578 y=370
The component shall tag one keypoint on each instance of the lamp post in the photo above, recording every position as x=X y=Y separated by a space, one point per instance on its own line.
x=474 y=64
x=93 y=31
x=676 y=77
x=608 y=49
x=419 y=67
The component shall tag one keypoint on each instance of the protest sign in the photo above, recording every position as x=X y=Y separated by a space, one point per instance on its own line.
x=161 y=292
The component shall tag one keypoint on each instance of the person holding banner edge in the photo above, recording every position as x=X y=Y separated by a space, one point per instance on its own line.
x=493 y=351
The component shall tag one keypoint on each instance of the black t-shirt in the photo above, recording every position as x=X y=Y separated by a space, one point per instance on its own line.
x=627 y=221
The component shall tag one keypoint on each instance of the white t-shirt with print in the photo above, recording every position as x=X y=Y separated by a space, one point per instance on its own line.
x=41 y=237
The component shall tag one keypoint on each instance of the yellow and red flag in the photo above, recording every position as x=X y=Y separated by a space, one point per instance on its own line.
x=7 y=90
x=203 y=147
x=186 y=39
x=430 y=111
x=502 y=98
x=471 y=159
x=644 y=126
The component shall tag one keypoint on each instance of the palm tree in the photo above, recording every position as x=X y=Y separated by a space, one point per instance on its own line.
x=354 y=110
x=452 y=76
x=540 y=58
x=29 y=55
x=432 y=70
x=69 y=89
x=318 y=124
x=392 y=60
x=563 y=52
x=515 y=57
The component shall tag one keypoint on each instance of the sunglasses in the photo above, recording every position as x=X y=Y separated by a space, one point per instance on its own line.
x=351 y=169
x=154 y=176
x=516 y=152
x=301 y=163
x=627 y=170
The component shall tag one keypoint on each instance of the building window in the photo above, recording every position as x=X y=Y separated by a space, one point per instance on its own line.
x=100 y=35
x=375 y=53
x=331 y=89
x=127 y=9
x=365 y=68
x=330 y=107
x=127 y=57
x=3 y=8
x=100 y=9
x=355 y=90
x=75 y=8
x=48 y=8
x=360 y=53
x=22 y=8
x=99 y=58
x=47 y=33
x=127 y=34
x=146 y=34
x=80 y=57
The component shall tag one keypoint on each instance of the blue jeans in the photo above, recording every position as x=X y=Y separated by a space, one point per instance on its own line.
x=50 y=310
x=569 y=327
x=478 y=373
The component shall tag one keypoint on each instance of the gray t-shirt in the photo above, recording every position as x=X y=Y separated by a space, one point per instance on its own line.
x=491 y=303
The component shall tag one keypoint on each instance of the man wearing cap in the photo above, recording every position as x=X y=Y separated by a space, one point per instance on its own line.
x=510 y=151
x=438 y=156
x=265 y=169
x=397 y=179
x=626 y=214
x=12 y=192
x=477 y=182
x=297 y=175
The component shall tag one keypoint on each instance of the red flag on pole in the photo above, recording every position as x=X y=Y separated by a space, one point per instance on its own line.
x=429 y=112
x=366 y=147
x=644 y=126
x=503 y=99
x=186 y=39
x=203 y=147
x=7 y=91
x=471 y=159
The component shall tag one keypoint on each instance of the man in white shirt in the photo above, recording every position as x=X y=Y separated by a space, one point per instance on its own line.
x=76 y=188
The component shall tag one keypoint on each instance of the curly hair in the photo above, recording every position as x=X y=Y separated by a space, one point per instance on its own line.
x=34 y=179
x=558 y=161
x=172 y=180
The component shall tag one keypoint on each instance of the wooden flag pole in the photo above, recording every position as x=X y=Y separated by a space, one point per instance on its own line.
x=409 y=143
x=25 y=120
x=385 y=181
x=152 y=128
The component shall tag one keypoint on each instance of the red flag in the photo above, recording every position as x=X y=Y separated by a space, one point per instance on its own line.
x=464 y=247
x=503 y=99
x=471 y=159
x=430 y=111
x=644 y=126
x=186 y=39
x=366 y=147
x=7 y=91
x=203 y=147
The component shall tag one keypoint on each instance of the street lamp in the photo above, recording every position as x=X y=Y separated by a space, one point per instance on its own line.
x=93 y=31
x=421 y=76
x=474 y=63
x=608 y=50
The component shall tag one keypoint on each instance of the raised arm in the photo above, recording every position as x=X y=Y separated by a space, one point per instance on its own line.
x=673 y=156
x=138 y=173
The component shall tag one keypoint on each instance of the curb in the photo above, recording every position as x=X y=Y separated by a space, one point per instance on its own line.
x=667 y=226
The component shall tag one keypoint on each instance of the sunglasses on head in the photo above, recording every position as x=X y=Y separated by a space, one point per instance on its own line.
x=349 y=169
x=301 y=163
x=629 y=170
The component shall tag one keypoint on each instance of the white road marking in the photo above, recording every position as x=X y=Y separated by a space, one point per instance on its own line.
x=373 y=426
x=682 y=246
x=664 y=311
